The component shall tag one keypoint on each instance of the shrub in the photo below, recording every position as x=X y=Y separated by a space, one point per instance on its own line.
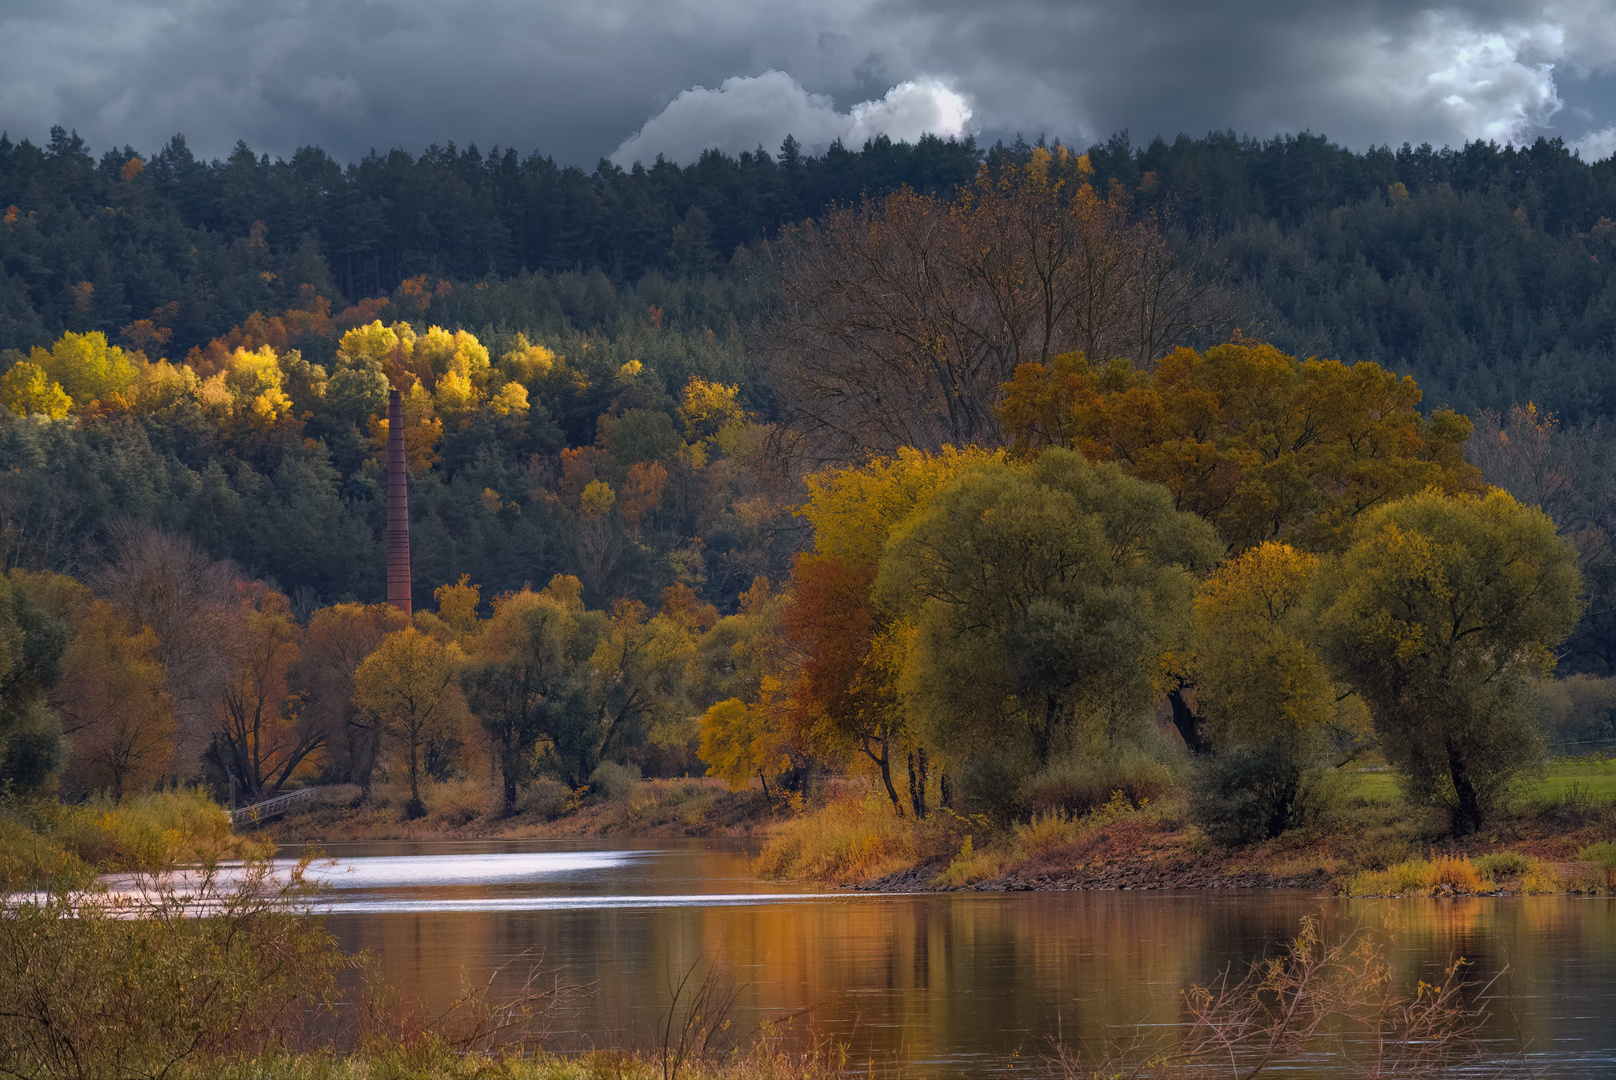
x=1247 y=794
x=1602 y=854
x=1080 y=787
x=459 y=802
x=1503 y=864
x=46 y=843
x=545 y=798
x=87 y=992
x=1539 y=878
x=614 y=781
x=969 y=865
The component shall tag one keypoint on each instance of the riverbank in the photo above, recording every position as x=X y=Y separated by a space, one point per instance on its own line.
x=1369 y=843
x=852 y=839
x=641 y=808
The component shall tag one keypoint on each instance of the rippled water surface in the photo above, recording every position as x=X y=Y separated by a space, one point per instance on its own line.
x=942 y=985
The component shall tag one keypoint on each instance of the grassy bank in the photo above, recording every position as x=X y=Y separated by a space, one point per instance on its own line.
x=1554 y=838
x=44 y=842
x=461 y=811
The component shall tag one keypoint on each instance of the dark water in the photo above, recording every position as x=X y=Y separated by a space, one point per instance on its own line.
x=935 y=985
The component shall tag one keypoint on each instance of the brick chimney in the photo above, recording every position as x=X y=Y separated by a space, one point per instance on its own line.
x=398 y=508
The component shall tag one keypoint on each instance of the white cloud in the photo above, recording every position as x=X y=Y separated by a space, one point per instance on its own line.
x=750 y=111
x=1495 y=84
x=572 y=79
x=1597 y=145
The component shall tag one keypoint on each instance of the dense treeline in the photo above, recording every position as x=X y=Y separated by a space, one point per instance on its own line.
x=1482 y=271
x=224 y=238
x=962 y=483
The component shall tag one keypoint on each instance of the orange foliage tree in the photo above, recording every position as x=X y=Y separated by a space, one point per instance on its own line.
x=260 y=737
x=1263 y=445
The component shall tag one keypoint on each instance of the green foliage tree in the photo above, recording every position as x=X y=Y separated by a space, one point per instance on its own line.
x=1045 y=598
x=1443 y=614
x=31 y=647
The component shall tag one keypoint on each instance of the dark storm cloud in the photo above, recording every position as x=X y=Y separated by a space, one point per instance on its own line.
x=578 y=79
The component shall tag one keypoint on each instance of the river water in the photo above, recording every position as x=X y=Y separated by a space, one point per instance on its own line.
x=948 y=985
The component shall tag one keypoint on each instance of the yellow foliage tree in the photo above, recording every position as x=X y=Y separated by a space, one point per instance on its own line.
x=87 y=367
x=457 y=605
x=1263 y=445
x=854 y=510
x=27 y=391
x=248 y=389
x=740 y=741
x=527 y=363
x=114 y=705
x=409 y=685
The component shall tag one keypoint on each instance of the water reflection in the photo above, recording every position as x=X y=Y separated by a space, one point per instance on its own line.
x=958 y=985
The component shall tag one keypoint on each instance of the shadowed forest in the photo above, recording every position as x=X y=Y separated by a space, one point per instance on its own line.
x=1018 y=481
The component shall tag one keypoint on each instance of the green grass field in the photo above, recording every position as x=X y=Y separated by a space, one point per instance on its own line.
x=1595 y=778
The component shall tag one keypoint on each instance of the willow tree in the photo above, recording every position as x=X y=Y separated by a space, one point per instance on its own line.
x=1443 y=614
x=1045 y=598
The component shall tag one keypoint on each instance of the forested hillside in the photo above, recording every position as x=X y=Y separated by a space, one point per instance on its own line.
x=1482 y=271
x=636 y=400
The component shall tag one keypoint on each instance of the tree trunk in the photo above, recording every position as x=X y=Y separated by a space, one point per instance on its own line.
x=507 y=777
x=1188 y=722
x=885 y=762
x=415 y=807
x=1467 y=813
x=917 y=782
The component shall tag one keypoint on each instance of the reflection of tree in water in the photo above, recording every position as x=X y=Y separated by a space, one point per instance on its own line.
x=939 y=978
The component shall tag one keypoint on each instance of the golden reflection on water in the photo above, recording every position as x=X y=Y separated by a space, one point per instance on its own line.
x=957 y=983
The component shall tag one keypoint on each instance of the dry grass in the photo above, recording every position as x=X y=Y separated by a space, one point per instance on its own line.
x=849 y=841
x=442 y=1063
x=1441 y=875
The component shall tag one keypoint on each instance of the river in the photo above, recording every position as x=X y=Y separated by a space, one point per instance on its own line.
x=948 y=985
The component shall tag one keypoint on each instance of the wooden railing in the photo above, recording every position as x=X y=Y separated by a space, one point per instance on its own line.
x=273 y=807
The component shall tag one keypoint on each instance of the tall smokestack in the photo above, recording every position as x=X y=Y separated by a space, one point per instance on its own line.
x=398 y=508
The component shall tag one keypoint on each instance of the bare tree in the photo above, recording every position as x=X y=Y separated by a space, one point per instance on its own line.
x=186 y=597
x=897 y=321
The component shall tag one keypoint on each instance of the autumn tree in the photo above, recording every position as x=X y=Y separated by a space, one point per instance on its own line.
x=336 y=641
x=408 y=684
x=899 y=318
x=518 y=670
x=1045 y=599
x=190 y=601
x=740 y=741
x=1272 y=709
x=1263 y=445
x=845 y=698
x=114 y=706
x=27 y=391
x=1443 y=614
x=262 y=733
x=846 y=647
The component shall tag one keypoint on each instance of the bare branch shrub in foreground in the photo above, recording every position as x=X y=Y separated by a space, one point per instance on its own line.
x=1321 y=1007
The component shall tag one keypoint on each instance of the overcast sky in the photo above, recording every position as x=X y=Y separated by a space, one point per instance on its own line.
x=582 y=79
